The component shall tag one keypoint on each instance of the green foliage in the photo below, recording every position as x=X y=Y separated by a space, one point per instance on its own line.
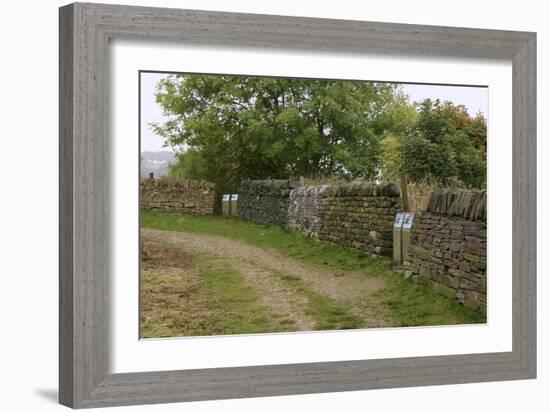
x=229 y=128
x=392 y=157
x=399 y=122
x=424 y=159
x=446 y=145
x=233 y=127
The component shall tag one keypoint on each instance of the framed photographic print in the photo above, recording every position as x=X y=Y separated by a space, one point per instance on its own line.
x=256 y=205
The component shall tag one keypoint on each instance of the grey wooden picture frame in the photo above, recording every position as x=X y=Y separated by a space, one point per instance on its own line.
x=85 y=32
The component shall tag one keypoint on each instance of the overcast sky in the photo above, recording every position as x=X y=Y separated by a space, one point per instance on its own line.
x=474 y=98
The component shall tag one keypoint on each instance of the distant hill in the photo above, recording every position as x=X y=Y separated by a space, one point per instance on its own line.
x=156 y=162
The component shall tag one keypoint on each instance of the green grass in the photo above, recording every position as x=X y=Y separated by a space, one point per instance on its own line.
x=243 y=314
x=417 y=305
x=328 y=314
x=291 y=244
x=236 y=304
x=209 y=298
x=409 y=304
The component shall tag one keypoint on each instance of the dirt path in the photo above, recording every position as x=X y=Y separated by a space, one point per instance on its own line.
x=258 y=267
x=275 y=295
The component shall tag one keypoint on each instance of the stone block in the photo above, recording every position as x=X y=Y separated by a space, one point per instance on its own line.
x=468 y=284
x=472 y=258
x=447 y=280
x=443 y=289
x=471 y=301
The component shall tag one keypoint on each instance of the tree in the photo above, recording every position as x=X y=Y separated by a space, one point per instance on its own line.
x=227 y=128
x=400 y=120
x=447 y=144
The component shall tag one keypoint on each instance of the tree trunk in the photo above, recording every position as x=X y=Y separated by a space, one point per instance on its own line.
x=405 y=193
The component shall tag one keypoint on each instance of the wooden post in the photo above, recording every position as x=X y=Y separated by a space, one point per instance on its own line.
x=404 y=193
x=234 y=205
x=397 y=247
x=226 y=205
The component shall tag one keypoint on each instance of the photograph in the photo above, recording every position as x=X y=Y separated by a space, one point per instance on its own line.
x=279 y=204
x=275 y=206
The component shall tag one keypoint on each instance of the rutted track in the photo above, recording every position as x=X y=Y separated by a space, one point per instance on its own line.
x=260 y=269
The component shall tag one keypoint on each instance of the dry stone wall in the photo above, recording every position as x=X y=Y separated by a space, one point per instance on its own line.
x=354 y=215
x=306 y=208
x=360 y=216
x=177 y=195
x=448 y=249
x=265 y=201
